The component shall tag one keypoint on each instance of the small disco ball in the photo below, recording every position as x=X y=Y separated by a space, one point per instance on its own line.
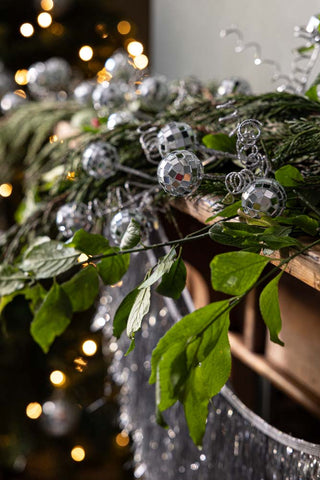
x=83 y=92
x=119 y=118
x=120 y=221
x=73 y=216
x=119 y=66
x=180 y=173
x=99 y=159
x=234 y=85
x=154 y=93
x=50 y=77
x=59 y=416
x=264 y=196
x=11 y=101
x=108 y=96
x=174 y=136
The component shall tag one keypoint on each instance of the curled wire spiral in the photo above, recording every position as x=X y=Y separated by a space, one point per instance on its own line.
x=236 y=182
x=149 y=143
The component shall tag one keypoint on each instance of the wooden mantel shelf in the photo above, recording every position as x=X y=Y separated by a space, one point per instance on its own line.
x=305 y=267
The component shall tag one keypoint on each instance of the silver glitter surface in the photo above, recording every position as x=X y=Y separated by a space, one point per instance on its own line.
x=264 y=197
x=154 y=93
x=234 y=85
x=175 y=136
x=71 y=217
x=99 y=159
x=47 y=77
x=180 y=173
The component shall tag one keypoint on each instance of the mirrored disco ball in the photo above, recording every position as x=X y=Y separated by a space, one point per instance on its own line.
x=73 y=216
x=119 y=66
x=108 y=96
x=180 y=173
x=48 y=77
x=59 y=416
x=99 y=159
x=174 y=136
x=119 y=118
x=10 y=101
x=234 y=85
x=83 y=92
x=154 y=93
x=264 y=196
x=120 y=221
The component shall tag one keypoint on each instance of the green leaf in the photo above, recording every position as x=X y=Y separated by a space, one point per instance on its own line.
x=163 y=266
x=122 y=314
x=49 y=259
x=139 y=309
x=307 y=224
x=229 y=211
x=236 y=273
x=221 y=142
x=186 y=329
x=270 y=309
x=131 y=236
x=52 y=318
x=11 y=280
x=35 y=295
x=207 y=378
x=312 y=93
x=82 y=289
x=174 y=281
x=289 y=176
x=238 y=235
x=112 y=269
x=89 y=243
x=131 y=347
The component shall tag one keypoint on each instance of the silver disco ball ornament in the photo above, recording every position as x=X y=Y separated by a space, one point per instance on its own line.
x=119 y=118
x=11 y=100
x=120 y=221
x=154 y=93
x=107 y=96
x=59 y=416
x=234 y=85
x=83 y=92
x=120 y=66
x=49 y=78
x=180 y=173
x=175 y=136
x=264 y=196
x=99 y=159
x=72 y=217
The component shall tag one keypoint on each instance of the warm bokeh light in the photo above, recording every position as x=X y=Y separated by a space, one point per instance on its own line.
x=141 y=61
x=135 y=48
x=57 y=378
x=5 y=190
x=89 y=347
x=86 y=53
x=122 y=439
x=57 y=29
x=44 y=19
x=78 y=453
x=21 y=77
x=103 y=76
x=20 y=93
x=27 y=30
x=124 y=27
x=71 y=176
x=33 y=410
x=118 y=284
x=47 y=4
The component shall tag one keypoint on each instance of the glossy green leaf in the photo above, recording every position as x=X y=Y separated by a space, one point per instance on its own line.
x=238 y=235
x=131 y=236
x=52 y=318
x=49 y=259
x=174 y=281
x=221 y=142
x=131 y=347
x=236 y=273
x=122 y=314
x=89 y=243
x=35 y=296
x=228 y=211
x=312 y=93
x=82 y=289
x=112 y=269
x=139 y=309
x=11 y=279
x=270 y=309
x=288 y=176
x=307 y=224
x=172 y=372
x=163 y=266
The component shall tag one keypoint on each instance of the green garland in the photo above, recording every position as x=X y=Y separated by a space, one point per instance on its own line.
x=192 y=361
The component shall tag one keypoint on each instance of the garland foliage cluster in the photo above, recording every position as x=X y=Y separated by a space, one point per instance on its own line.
x=59 y=278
